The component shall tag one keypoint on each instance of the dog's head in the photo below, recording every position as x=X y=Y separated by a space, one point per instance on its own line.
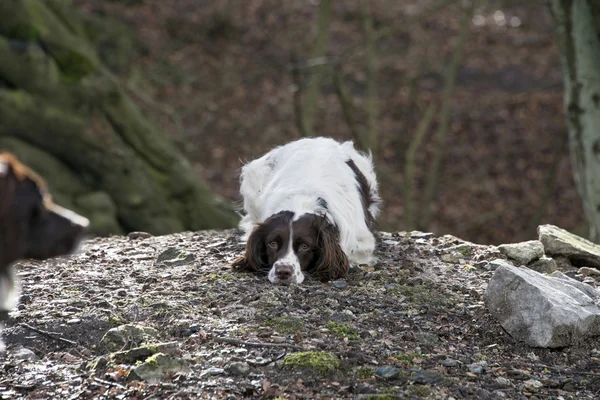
x=31 y=225
x=289 y=247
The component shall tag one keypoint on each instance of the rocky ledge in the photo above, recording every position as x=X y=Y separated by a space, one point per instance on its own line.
x=165 y=317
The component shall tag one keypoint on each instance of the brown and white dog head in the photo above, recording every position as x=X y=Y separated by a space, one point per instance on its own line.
x=289 y=246
x=31 y=225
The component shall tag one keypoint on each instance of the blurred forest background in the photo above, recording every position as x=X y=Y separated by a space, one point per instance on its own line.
x=462 y=105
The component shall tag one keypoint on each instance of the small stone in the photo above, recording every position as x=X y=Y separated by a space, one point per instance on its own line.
x=24 y=354
x=139 y=235
x=388 y=372
x=421 y=235
x=25 y=299
x=503 y=381
x=130 y=334
x=216 y=371
x=73 y=321
x=477 y=368
x=121 y=292
x=464 y=248
x=524 y=252
x=560 y=242
x=239 y=368
x=449 y=363
x=341 y=284
x=451 y=258
x=155 y=368
x=173 y=257
x=532 y=384
x=544 y=265
x=589 y=272
x=426 y=377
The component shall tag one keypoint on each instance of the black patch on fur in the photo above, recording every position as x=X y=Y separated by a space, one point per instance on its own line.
x=364 y=189
x=322 y=203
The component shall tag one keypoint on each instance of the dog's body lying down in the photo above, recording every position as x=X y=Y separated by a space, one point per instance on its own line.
x=31 y=225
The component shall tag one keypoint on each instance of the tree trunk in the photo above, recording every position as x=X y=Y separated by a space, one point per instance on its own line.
x=577 y=25
x=66 y=115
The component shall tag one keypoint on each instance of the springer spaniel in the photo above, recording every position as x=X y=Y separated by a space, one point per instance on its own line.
x=310 y=209
x=31 y=225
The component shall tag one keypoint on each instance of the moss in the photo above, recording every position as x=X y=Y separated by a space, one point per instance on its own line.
x=406 y=358
x=153 y=359
x=286 y=325
x=320 y=361
x=342 y=330
x=420 y=391
x=364 y=373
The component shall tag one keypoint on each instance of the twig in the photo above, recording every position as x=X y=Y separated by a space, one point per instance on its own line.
x=258 y=344
x=347 y=111
x=442 y=132
x=322 y=40
x=48 y=334
x=109 y=383
x=409 y=167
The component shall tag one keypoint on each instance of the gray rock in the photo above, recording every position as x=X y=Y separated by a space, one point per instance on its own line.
x=131 y=335
x=173 y=257
x=23 y=353
x=524 y=252
x=153 y=370
x=544 y=265
x=560 y=242
x=239 y=368
x=425 y=377
x=542 y=311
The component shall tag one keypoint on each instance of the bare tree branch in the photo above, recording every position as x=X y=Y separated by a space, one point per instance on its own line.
x=442 y=132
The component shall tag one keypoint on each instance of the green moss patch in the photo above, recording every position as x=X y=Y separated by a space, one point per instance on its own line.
x=321 y=362
x=342 y=330
x=286 y=325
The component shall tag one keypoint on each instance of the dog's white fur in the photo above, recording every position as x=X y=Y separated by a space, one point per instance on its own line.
x=294 y=176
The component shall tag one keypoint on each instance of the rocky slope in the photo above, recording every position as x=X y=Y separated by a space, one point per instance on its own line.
x=165 y=317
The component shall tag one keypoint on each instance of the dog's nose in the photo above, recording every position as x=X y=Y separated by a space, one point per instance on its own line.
x=284 y=272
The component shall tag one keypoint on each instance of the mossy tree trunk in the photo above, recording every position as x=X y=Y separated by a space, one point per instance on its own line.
x=578 y=28
x=64 y=113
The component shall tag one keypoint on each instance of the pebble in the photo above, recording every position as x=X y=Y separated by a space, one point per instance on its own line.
x=239 y=368
x=216 y=371
x=426 y=377
x=590 y=271
x=477 y=368
x=388 y=372
x=139 y=235
x=421 y=235
x=340 y=284
x=73 y=321
x=503 y=381
x=449 y=363
x=532 y=384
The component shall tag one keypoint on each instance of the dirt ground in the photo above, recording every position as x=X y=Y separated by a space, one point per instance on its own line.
x=412 y=326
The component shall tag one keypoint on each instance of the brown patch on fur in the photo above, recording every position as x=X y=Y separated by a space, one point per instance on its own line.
x=332 y=262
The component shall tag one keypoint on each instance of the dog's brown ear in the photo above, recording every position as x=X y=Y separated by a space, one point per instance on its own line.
x=255 y=258
x=332 y=262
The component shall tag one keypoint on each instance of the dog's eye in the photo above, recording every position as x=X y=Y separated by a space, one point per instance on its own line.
x=273 y=244
x=304 y=247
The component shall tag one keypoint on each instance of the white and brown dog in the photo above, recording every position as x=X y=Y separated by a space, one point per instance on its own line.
x=310 y=208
